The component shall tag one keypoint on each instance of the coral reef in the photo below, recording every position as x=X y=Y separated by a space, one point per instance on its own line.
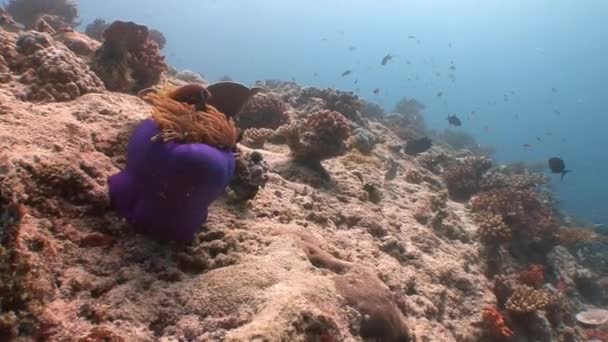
x=263 y=110
x=498 y=178
x=463 y=178
x=250 y=176
x=128 y=60
x=256 y=137
x=96 y=28
x=492 y=228
x=593 y=317
x=521 y=210
x=364 y=140
x=495 y=322
x=371 y=110
x=577 y=236
x=322 y=135
x=79 y=43
x=345 y=103
x=190 y=76
x=533 y=276
x=51 y=72
x=526 y=299
x=410 y=110
x=28 y=12
x=159 y=38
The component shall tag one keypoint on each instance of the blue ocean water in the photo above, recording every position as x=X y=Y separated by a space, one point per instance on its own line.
x=533 y=72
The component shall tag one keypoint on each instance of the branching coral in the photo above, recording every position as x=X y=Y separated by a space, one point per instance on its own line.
x=526 y=299
x=345 y=103
x=263 y=111
x=462 y=179
x=533 y=276
x=521 y=210
x=492 y=228
x=128 y=60
x=52 y=73
x=250 y=175
x=28 y=12
x=322 y=135
x=495 y=322
x=95 y=29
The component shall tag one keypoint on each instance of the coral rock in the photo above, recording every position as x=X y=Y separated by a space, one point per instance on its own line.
x=52 y=72
x=321 y=136
x=79 y=43
x=28 y=12
x=593 y=317
x=492 y=228
x=96 y=28
x=263 y=111
x=463 y=179
x=345 y=103
x=250 y=175
x=256 y=137
x=128 y=60
x=527 y=299
x=533 y=276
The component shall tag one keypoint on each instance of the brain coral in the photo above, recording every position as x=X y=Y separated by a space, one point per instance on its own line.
x=263 y=111
x=322 y=135
x=52 y=72
x=128 y=60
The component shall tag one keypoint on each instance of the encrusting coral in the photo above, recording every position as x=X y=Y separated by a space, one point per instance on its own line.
x=128 y=60
x=526 y=299
x=263 y=110
x=28 y=12
x=322 y=135
x=52 y=72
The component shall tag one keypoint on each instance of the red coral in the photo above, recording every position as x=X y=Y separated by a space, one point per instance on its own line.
x=128 y=61
x=495 y=322
x=533 y=276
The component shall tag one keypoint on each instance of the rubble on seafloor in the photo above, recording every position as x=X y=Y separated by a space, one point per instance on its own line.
x=329 y=233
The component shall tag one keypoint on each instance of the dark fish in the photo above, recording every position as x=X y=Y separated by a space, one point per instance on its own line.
x=386 y=59
x=315 y=74
x=516 y=116
x=439 y=94
x=539 y=139
x=346 y=73
x=356 y=81
x=411 y=37
x=557 y=165
x=454 y=120
x=376 y=91
x=526 y=145
x=416 y=146
x=323 y=39
x=352 y=48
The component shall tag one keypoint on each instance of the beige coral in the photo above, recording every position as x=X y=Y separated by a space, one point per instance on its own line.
x=527 y=299
x=52 y=72
x=256 y=137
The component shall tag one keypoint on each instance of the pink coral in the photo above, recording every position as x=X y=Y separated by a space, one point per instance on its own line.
x=495 y=322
